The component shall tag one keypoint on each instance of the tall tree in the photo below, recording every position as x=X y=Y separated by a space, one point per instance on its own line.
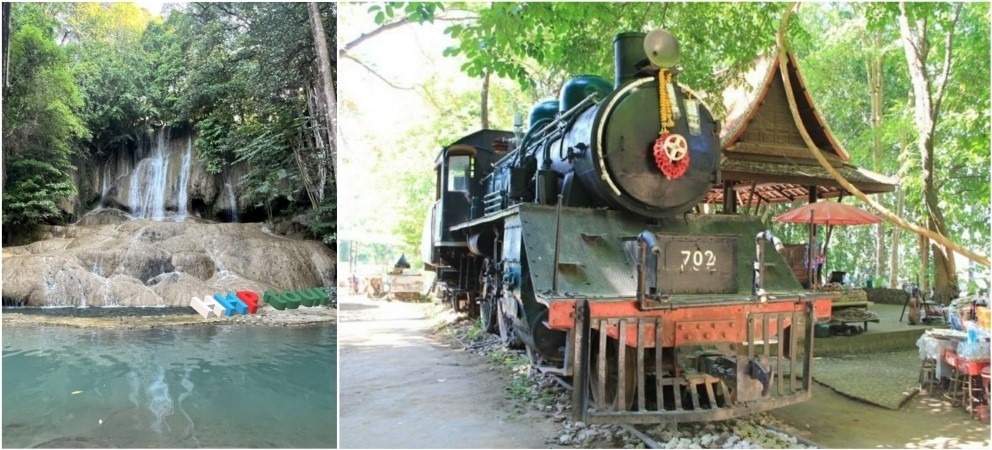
x=6 y=39
x=41 y=124
x=929 y=82
x=327 y=86
x=874 y=59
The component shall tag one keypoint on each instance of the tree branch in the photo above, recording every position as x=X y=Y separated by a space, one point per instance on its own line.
x=916 y=37
x=392 y=26
x=942 y=81
x=371 y=34
x=373 y=72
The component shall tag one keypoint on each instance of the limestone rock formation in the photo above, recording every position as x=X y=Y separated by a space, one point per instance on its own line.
x=158 y=176
x=105 y=260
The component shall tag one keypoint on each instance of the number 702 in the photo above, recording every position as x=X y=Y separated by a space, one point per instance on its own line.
x=696 y=259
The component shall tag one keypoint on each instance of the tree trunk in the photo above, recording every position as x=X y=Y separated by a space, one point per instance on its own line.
x=485 y=101
x=6 y=57
x=924 y=264
x=6 y=44
x=894 y=252
x=873 y=63
x=926 y=113
x=900 y=198
x=327 y=84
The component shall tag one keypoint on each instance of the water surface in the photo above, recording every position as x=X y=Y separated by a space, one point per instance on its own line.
x=198 y=386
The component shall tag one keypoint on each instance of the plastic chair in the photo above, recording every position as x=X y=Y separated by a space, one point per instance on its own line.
x=928 y=375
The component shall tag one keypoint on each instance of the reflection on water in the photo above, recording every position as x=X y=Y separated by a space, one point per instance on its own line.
x=200 y=386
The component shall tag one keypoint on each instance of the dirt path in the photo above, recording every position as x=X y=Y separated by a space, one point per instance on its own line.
x=400 y=388
x=835 y=421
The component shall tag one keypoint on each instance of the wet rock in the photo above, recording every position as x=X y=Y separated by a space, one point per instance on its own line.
x=144 y=263
x=104 y=216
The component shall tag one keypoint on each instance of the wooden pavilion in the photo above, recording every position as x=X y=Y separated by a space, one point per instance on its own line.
x=765 y=159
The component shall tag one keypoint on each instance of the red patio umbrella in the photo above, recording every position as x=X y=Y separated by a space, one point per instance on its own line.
x=826 y=213
x=829 y=213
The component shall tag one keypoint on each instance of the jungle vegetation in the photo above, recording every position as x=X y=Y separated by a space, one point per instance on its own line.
x=254 y=80
x=904 y=88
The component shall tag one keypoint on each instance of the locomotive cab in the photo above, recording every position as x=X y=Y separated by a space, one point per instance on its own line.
x=459 y=168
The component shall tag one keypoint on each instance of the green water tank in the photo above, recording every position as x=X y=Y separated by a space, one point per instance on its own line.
x=578 y=88
x=547 y=109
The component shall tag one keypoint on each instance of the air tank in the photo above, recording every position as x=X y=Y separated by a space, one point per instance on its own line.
x=547 y=109
x=578 y=88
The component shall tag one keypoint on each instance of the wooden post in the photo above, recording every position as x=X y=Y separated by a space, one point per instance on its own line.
x=729 y=198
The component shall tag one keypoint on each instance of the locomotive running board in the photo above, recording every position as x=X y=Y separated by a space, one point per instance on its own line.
x=686 y=398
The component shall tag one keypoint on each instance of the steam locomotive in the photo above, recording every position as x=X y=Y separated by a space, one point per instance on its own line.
x=576 y=239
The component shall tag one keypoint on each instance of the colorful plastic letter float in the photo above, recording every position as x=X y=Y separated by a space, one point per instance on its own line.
x=228 y=307
x=248 y=302
x=231 y=304
x=319 y=295
x=239 y=306
x=218 y=309
x=292 y=299
x=274 y=301
x=249 y=298
x=308 y=298
x=204 y=310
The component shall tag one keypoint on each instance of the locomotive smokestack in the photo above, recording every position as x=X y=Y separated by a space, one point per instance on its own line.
x=628 y=52
x=634 y=51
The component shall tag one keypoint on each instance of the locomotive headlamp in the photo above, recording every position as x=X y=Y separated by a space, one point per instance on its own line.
x=662 y=48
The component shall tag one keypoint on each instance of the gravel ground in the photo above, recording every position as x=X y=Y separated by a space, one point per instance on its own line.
x=846 y=374
x=543 y=393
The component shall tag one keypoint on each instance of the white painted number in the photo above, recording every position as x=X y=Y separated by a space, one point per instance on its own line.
x=697 y=258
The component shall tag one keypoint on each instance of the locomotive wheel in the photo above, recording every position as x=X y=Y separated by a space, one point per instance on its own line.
x=488 y=311
x=550 y=344
x=507 y=336
x=630 y=376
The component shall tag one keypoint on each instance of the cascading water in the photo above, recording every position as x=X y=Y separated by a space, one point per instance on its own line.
x=106 y=184
x=232 y=201
x=184 y=181
x=147 y=190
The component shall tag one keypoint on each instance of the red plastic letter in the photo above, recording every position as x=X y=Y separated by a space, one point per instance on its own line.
x=251 y=299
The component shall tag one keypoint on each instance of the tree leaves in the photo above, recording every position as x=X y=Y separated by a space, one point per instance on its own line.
x=41 y=122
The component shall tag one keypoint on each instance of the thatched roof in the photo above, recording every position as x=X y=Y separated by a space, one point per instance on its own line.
x=762 y=145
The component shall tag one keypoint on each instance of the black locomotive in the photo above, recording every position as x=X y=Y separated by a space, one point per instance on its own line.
x=574 y=239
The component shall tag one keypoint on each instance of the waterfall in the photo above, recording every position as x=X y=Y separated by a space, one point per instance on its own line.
x=232 y=200
x=184 y=181
x=147 y=190
x=106 y=175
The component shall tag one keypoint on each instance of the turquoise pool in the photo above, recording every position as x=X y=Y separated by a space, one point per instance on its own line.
x=196 y=386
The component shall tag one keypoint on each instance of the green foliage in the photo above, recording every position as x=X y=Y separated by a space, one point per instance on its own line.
x=324 y=222
x=88 y=77
x=111 y=70
x=837 y=58
x=418 y=12
x=34 y=190
x=41 y=121
x=250 y=76
x=522 y=40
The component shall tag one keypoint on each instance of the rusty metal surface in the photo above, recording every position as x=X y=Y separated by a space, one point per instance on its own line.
x=754 y=381
x=724 y=323
x=593 y=263
x=697 y=264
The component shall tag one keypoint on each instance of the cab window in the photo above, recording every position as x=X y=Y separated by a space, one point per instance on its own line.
x=459 y=173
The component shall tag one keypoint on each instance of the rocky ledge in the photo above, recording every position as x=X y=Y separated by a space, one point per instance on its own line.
x=107 y=260
x=266 y=316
